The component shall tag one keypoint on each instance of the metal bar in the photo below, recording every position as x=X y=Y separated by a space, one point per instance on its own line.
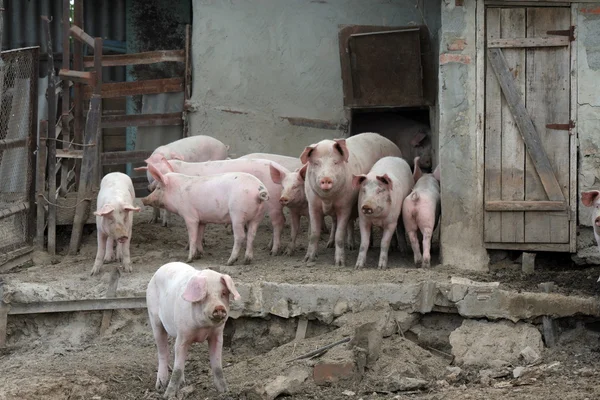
x=41 y=185
x=124 y=157
x=120 y=121
x=12 y=143
x=87 y=77
x=15 y=209
x=80 y=35
x=33 y=141
x=101 y=304
x=51 y=97
x=147 y=57
x=151 y=86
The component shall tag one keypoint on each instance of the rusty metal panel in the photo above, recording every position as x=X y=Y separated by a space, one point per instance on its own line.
x=386 y=66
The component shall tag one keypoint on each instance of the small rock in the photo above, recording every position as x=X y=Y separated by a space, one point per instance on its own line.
x=586 y=371
x=442 y=383
x=452 y=374
x=340 y=308
x=289 y=384
x=348 y=393
x=518 y=372
x=529 y=355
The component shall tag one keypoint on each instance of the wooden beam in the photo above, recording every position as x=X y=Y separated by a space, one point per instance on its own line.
x=525 y=205
x=101 y=304
x=553 y=247
x=148 y=57
x=80 y=35
x=14 y=209
x=88 y=77
x=69 y=153
x=121 y=121
x=549 y=41
x=12 y=143
x=151 y=86
x=525 y=125
x=124 y=157
x=41 y=186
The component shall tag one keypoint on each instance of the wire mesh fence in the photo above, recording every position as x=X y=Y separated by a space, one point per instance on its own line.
x=18 y=122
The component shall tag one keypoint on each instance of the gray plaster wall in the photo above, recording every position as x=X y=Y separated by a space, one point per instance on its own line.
x=255 y=62
x=461 y=175
x=588 y=102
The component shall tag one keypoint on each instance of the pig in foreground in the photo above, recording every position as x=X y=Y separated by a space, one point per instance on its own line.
x=193 y=149
x=592 y=199
x=421 y=211
x=381 y=193
x=191 y=306
x=230 y=198
x=329 y=190
x=114 y=219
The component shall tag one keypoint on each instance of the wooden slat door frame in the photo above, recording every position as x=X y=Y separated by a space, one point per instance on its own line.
x=480 y=96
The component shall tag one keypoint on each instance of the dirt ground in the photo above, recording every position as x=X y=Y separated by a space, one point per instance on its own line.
x=62 y=356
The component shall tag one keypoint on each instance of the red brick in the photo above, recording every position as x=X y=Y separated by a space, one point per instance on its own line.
x=594 y=10
x=457 y=44
x=454 y=58
x=326 y=372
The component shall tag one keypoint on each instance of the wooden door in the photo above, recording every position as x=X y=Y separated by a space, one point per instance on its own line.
x=529 y=182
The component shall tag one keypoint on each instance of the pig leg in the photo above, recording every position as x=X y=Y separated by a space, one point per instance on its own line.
x=427 y=233
x=155 y=215
x=252 y=228
x=215 y=349
x=365 y=236
x=295 y=228
x=162 y=345
x=126 y=255
x=178 y=377
x=350 y=244
x=340 y=255
x=414 y=243
x=192 y=227
x=109 y=254
x=165 y=218
x=331 y=241
x=239 y=235
x=401 y=236
x=278 y=222
x=102 y=238
x=388 y=234
x=324 y=226
x=315 y=212
x=200 y=239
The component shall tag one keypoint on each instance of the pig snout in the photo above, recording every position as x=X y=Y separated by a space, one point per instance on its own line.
x=326 y=183
x=219 y=313
x=367 y=209
x=283 y=200
x=597 y=221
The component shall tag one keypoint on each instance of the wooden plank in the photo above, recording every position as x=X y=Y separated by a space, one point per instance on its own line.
x=117 y=303
x=551 y=247
x=493 y=139
x=68 y=153
x=573 y=140
x=544 y=41
x=79 y=34
x=6 y=144
x=526 y=127
x=525 y=206
x=41 y=186
x=4 y=309
x=547 y=100
x=512 y=22
x=151 y=86
x=121 y=121
x=123 y=157
x=14 y=209
x=147 y=57
x=87 y=77
x=528 y=263
x=301 y=329
x=479 y=104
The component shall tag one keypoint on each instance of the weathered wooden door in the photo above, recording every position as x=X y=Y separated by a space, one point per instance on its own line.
x=529 y=150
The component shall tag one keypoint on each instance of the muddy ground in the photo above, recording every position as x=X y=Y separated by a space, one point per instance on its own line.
x=62 y=356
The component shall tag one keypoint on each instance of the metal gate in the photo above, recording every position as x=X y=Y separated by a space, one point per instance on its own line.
x=18 y=126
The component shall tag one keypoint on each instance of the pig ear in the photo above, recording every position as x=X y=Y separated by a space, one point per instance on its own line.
x=226 y=279
x=306 y=153
x=418 y=138
x=386 y=180
x=357 y=180
x=167 y=164
x=436 y=173
x=417 y=170
x=141 y=169
x=588 y=198
x=157 y=175
x=277 y=173
x=196 y=289
x=340 y=145
x=105 y=210
x=129 y=207
x=302 y=172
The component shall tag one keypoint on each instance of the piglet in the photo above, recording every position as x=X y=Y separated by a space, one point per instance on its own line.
x=191 y=306
x=114 y=219
x=421 y=210
x=380 y=197
x=592 y=199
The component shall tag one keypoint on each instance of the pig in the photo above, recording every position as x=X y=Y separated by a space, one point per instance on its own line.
x=193 y=149
x=381 y=193
x=114 y=220
x=191 y=306
x=291 y=163
x=258 y=167
x=592 y=199
x=237 y=198
x=412 y=137
x=421 y=211
x=328 y=185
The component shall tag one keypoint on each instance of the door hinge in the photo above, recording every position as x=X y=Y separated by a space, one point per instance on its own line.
x=562 y=127
x=567 y=32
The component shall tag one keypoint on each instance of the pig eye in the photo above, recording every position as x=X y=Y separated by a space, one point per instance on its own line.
x=224 y=293
x=336 y=162
x=317 y=163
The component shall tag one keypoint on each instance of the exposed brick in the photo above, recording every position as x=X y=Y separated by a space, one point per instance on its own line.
x=454 y=58
x=457 y=44
x=594 y=10
x=327 y=372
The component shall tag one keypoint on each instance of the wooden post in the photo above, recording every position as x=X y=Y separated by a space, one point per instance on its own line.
x=51 y=97
x=78 y=101
x=32 y=145
x=549 y=324
x=3 y=317
x=111 y=292
x=528 y=263
x=66 y=104
x=98 y=91
x=187 y=79
x=41 y=185
x=88 y=168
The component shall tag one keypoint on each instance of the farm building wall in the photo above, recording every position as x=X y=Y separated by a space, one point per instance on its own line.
x=255 y=63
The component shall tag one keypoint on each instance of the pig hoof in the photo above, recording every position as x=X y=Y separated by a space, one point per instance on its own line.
x=340 y=263
x=358 y=266
x=247 y=260
x=330 y=244
x=95 y=270
x=289 y=251
x=127 y=268
x=426 y=264
x=231 y=261
x=275 y=252
x=382 y=266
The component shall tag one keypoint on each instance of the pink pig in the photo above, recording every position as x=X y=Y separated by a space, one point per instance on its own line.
x=592 y=199
x=421 y=211
x=382 y=192
x=193 y=149
x=191 y=306
x=329 y=190
x=237 y=198
x=114 y=220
